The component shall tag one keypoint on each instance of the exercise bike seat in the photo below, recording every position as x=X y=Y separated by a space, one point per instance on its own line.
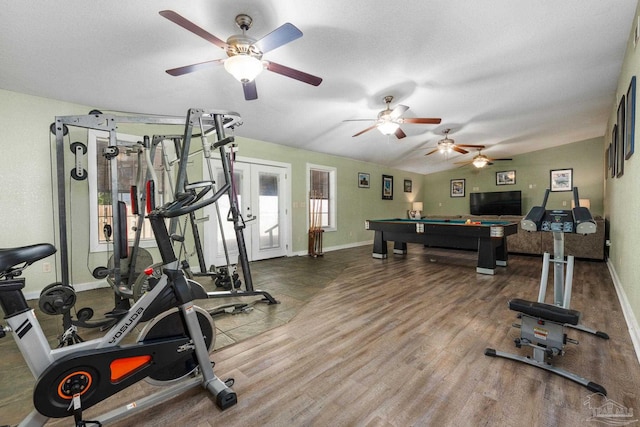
x=544 y=311
x=25 y=254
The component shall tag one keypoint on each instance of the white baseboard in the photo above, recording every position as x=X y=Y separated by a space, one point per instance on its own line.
x=336 y=248
x=629 y=316
x=78 y=288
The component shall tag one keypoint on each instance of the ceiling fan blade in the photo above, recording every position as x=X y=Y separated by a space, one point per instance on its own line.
x=282 y=35
x=463 y=163
x=470 y=146
x=194 y=67
x=397 y=112
x=431 y=152
x=495 y=160
x=190 y=26
x=250 y=90
x=294 y=74
x=428 y=121
x=400 y=134
x=366 y=130
x=459 y=150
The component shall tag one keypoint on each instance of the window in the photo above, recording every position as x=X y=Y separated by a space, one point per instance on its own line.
x=321 y=186
x=129 y=160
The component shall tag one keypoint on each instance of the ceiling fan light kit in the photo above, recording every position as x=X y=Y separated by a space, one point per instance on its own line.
x=480 y=161
x=387 y=127
x=244 y=68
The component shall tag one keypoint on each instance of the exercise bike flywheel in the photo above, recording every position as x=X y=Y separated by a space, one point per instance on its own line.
x=170 y=324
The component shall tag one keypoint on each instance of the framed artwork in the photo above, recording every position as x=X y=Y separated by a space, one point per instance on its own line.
x=612 y=153
x=457 y=188
x=620 y=139
x=630 y=119
x=607 y=159
x=364 y=180
x=506 y=177
x=561 y=180
x=387 y=187
x=408 y=186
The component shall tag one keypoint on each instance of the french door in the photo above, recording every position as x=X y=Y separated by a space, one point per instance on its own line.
x=262 y=196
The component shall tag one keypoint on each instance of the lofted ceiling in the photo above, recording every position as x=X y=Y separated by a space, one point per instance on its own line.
x=513 y=75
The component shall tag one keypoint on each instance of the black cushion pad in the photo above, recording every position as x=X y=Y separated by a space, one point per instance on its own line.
x=548 y=312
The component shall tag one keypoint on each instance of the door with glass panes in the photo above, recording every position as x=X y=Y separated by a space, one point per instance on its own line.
x=261 y=197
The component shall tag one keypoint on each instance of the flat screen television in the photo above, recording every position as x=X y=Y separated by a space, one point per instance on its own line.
x=496 y=203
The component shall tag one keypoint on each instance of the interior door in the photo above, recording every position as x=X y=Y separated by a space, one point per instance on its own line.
x=262 y=204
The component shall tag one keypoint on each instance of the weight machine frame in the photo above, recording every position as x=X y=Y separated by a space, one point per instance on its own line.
x=210 y=120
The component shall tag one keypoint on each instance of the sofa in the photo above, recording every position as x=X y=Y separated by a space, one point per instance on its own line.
x=589 y=246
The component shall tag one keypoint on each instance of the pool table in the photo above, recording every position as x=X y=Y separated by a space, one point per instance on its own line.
x=489 y=238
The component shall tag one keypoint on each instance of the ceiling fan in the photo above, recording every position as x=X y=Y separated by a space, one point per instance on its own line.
x=244 y=53
x=480 y=160
x=389 y=121
x=447 y=145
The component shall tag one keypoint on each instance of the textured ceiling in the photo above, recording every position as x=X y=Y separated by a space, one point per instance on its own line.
x=515 y=76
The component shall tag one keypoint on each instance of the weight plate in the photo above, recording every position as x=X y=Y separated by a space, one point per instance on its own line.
x=57 y=298
x=100 y=272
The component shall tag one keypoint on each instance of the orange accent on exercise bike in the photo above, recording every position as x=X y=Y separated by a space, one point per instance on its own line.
x=68 y=396
x=121 y=368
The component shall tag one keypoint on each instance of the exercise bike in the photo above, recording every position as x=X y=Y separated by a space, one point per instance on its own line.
x=172 y=349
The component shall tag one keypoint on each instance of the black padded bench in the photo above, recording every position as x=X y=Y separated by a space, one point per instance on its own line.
x=548 y=312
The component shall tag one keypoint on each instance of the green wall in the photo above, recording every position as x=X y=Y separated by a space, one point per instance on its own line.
x=622 y=203
x=586 y=158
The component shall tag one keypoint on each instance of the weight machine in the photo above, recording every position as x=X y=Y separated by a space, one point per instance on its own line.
x=542 y=324
x=207 y=121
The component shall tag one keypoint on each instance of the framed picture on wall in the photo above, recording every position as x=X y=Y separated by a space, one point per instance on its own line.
x=364 y=180
x=506 y=177
x=612 y=152
x=630 y=119
x=408 y=186
x=457 y=188
x=387 y=187
x=561 y=180
x=607 y=159
x=620 y=139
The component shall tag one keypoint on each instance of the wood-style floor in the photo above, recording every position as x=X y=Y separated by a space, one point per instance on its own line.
x=400 y=342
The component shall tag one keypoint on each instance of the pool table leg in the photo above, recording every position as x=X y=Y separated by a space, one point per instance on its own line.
x=379 y=246
x=400 y=248
x=486 y=257
x=502 y=253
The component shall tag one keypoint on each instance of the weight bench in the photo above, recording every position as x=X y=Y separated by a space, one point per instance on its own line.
x=542 y=328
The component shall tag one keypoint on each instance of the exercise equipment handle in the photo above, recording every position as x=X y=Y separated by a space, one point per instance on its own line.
x=190 y=201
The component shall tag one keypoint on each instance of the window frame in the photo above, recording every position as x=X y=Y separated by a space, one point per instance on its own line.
x=333 y=194
x=95 y=244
